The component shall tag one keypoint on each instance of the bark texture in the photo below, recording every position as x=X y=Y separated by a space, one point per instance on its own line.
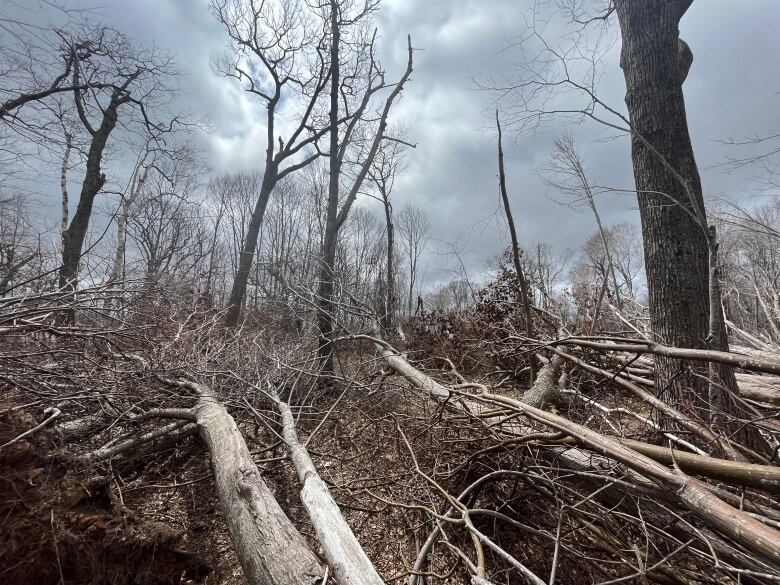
x=271 y=551
x=681 y=250
x=347 y=559
x=94 y=179
x=249 y=246
x=325 y=290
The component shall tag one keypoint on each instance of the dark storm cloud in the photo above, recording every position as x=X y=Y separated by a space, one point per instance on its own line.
x=731 y=91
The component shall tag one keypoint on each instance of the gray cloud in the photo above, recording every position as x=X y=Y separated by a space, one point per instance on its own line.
x=731 y=91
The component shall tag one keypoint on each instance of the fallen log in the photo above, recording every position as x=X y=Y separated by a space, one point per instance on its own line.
x=692 y=494
x=698 y=429
x=131 y=444
x=769 y=365
x=763 y=389
x=348 y=561
x=270 y=549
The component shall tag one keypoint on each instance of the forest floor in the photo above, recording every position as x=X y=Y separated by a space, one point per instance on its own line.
x=156 y=519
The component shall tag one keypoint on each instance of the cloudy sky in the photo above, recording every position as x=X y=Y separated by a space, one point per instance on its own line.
x=731 y=92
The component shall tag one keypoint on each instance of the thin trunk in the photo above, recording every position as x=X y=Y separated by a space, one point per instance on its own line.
x=607 y=252
x=388 y=320
x=64 y=184
x=347 y=559
x=521 y=279
x=117 y=271
x=327 y=268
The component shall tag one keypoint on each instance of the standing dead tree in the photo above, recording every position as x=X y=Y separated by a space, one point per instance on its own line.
x=522 y=281
x=388 y=164
x=136 y=187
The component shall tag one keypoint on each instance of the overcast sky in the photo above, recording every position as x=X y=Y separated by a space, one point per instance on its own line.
x=731 y=91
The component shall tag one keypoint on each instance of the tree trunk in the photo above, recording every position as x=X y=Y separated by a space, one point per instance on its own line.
x=521 y=279
x=347 y=559
x=388 y=319
x=64 y=184
x=117 y=270
x=271 y=551
x=325 y=290
x=94 y=179
x=675 y=243
x=238 y=291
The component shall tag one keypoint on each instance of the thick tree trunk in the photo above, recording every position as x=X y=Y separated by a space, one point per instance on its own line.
x=271 y=551
x=678 y=259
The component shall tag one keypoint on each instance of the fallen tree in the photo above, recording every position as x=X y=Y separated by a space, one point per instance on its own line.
x=755 y=536
x=270 y=549
x=346 y=558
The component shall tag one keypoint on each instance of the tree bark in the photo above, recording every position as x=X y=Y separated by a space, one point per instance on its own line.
x=271 y=551
x=388 y=319
x=64 y=184
x=347 y=559
x=325 y=290
x=680 y=261
x=249 y=246
x=94 y=179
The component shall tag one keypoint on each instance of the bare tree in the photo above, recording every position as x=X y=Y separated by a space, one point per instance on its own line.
x=136 y=187
x=19 y=244
x=133 y=79
x=355 y=134
x=567 y=173
x=413 y=227
x=278 y=59
x=387 y=165
x=525 y=291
